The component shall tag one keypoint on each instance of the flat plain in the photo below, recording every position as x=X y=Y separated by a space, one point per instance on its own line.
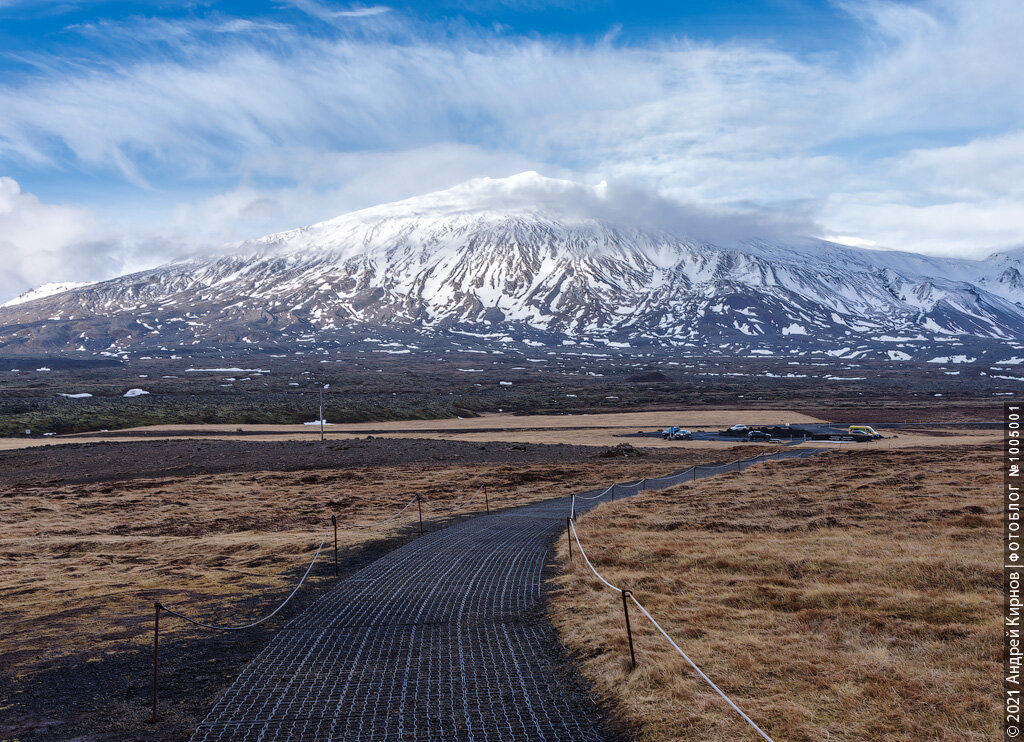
x=93 y=534
x=854 y=595
x=210 y=494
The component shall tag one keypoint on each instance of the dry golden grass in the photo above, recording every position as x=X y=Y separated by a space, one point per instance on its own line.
x=853 y=596
x=604 y=429
x=686 y=417
x=918 y=438
x=594 y=430
x=80 y=565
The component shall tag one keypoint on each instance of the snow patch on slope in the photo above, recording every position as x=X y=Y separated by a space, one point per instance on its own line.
x=47 y=289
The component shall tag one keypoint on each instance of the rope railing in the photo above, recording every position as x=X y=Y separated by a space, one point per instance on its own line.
x=463 y=504
x=700 y=672
x=270 y=615
x=600 y=494
x=639 y=486
x=670 y=480
x=627 y=593
x=158 y=607
x=583 y=553
x=388 y=519
x=677 y=475
x=214 y=627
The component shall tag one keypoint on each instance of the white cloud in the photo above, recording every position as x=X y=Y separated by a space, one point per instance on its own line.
x=629 y=205
x=939 y=65
x=52 y=243
x=597 y=101
x=962 y=200
x=329 y=185
x=41 y=243
x=984 y=168
x=326 y=12
x=957 y=228
x=393 y=109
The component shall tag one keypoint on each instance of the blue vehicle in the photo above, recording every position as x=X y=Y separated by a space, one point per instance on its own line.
x=674 y=433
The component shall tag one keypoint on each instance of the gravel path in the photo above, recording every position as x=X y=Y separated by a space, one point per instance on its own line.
x=442 y=639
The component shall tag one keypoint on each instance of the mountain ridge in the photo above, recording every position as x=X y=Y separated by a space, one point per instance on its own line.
x=451 y=262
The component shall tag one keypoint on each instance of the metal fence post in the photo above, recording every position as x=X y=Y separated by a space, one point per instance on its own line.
x=629 y=629
x=419 y=507
x=156 y=650
x=334 y=522
x=568 y=536
x=694 y=470
x=487 y=500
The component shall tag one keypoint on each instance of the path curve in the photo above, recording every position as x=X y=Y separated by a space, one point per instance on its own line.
x=442 y=639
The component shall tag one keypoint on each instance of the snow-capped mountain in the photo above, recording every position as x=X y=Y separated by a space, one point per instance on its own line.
x=483 y=260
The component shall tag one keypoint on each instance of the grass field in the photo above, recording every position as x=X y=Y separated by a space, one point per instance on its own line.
x=81 y=565
x=599 y=429
x=851 y=596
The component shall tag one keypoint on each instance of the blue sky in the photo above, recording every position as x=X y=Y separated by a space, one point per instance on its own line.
x=808 y=25
x=135 y=133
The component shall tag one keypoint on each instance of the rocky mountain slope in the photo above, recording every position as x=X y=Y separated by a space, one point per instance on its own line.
x=454 y=266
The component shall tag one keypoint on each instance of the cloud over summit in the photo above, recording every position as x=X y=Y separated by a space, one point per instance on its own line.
x=908 y=137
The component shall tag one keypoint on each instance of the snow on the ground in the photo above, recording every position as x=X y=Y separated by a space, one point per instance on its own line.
x=135 y=392
x=47 y=289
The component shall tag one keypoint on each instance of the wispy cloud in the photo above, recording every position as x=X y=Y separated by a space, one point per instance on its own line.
x=326 y=12
x=915 y=144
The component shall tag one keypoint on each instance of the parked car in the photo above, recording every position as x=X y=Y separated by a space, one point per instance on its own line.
x=864 y=430
x=674 y=433
x=739 y=429
x=758 y=435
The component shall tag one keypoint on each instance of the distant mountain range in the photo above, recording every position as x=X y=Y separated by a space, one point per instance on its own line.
x=453 y=267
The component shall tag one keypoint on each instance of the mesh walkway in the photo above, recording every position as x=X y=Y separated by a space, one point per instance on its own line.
x=439 y=640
